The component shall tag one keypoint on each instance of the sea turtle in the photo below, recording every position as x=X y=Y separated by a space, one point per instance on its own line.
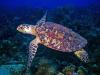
x=54 y=36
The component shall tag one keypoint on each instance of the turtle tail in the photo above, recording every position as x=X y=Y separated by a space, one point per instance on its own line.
x=82 y=55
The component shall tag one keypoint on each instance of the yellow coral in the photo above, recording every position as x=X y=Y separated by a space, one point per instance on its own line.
x=44 y=69
x=69 y=70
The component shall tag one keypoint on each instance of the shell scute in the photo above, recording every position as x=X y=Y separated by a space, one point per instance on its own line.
x=60 y=38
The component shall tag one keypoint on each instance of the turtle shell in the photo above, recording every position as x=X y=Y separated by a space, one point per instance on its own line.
x=60 y=38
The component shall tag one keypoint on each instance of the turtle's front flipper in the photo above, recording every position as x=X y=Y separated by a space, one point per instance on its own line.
x=42 y=20
x=32 y=51
x=82 y=54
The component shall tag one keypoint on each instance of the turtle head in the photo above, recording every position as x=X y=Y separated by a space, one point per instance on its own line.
x=27 y=29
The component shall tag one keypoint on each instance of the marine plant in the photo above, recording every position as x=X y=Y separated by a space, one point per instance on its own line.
x=81 y=70
x=44 y=69
x=13 y=72
x=59 y=73
x=69 y=70
x=9 y=49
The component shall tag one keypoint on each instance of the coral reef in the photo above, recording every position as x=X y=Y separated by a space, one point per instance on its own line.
x=69 y=70
x=44 y=69
x=14 y=45
x=81 y=71
x=9 y=52
x=59 y=73
x=11 y=69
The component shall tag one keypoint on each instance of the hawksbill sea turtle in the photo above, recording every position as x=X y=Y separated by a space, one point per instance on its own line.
x=54 y=36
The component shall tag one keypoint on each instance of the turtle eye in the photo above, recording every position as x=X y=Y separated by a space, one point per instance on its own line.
x=27 y=27
x=21 y=27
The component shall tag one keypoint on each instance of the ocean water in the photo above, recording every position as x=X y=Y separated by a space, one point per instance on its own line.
x=82 y=16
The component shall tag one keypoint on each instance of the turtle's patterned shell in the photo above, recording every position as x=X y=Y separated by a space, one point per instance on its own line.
x=60 y=38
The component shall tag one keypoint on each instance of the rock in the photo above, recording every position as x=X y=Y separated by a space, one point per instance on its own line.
x=11 y=69
x=60 y=73
x=4 y=71
x=75 y=73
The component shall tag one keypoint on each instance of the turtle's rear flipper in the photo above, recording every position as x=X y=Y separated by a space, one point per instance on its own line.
x=82 y=54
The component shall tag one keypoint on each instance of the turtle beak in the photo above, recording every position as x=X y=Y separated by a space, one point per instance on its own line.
x=20 y=28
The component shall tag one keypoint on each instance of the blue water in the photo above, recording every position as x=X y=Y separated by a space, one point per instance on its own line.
x=48 y=3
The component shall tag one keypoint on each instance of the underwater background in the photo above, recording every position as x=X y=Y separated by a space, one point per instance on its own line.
x=82 y=16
